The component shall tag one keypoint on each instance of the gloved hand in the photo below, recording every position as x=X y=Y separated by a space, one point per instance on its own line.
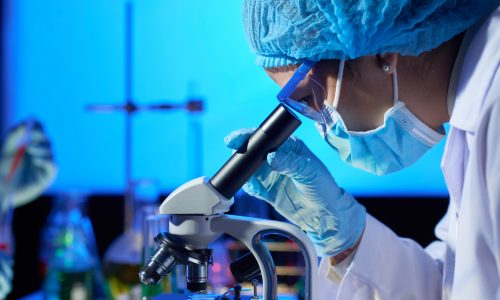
x=36 y=169
x=298 y=185
x=5 y=275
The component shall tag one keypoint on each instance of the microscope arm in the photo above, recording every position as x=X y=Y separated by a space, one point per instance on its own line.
x=250 y=232
x=196 y=215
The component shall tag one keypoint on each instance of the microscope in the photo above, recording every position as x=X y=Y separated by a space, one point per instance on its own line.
x=196 y=218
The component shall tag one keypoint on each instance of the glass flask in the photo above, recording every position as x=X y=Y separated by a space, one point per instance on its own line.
x=68 y=256
x=153 y=225
x=124 y=257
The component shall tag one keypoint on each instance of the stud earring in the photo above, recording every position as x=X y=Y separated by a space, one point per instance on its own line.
x=387 y=68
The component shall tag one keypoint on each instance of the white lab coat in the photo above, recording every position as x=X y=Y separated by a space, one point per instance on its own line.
x=465 y=264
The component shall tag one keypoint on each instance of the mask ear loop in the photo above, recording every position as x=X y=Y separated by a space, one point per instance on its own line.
x=318 y=106
x=340 y=74
x=395 y=87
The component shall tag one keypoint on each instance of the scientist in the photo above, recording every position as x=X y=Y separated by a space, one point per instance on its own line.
x=380 y=78
x=33 y=175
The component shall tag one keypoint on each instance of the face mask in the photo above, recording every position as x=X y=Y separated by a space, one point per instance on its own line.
x=400 y=141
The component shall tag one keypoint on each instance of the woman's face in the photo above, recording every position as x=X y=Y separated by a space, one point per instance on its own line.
x=366 y=91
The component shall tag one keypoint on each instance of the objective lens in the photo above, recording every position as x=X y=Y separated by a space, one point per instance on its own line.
x=196 y=277
x=160 y=264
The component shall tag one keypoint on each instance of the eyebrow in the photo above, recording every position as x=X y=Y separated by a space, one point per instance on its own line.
x=295 y=80
x=287 y=68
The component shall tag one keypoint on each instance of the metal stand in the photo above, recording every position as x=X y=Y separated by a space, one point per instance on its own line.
x=130 y=108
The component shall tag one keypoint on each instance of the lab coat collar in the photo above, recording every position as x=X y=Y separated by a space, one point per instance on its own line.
x=479 y=64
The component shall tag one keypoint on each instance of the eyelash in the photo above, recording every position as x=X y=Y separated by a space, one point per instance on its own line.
x=307 y=100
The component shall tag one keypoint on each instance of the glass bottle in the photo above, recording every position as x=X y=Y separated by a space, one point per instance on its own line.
x=68 y=252
x=154 y=224
x=124 y=257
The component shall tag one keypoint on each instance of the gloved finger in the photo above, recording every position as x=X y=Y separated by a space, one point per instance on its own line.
x=31 y=181
x=236 y=138
x=5 y=286
x=6 y=266
x=254 y=186
x=43 y=170
x=290 y=157
x=20 y=127
x=264 y=184
x=254 y=189
x=292 y=144
x=5 y=275
x=38 y=136
x=19 y=136
x=303 y=167
x=41 y=149
x=290 y=164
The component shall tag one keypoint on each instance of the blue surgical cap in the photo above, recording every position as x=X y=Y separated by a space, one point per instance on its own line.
x=284 y=32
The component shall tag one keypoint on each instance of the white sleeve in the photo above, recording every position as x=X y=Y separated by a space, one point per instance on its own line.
x=385 y=266
x=437 y=249
x=492 y=177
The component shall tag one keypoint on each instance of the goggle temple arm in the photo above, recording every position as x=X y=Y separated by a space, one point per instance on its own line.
x=296 y=78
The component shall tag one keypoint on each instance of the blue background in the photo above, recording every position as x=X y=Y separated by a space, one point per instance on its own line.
x=60 y=56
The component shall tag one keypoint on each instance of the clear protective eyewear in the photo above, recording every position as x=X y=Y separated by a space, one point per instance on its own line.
x=301 y=107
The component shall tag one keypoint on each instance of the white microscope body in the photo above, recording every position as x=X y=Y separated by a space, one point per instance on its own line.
x=197 y=230
x=196 y=217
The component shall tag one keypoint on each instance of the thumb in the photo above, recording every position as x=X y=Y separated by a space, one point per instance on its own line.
x=236 y=138
x=289 y=158
x=295 y=160
x=293 y=165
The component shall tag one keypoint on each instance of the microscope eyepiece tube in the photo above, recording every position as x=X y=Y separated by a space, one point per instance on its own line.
x=275 y=129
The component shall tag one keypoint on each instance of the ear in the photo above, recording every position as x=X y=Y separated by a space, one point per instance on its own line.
x=388 y=62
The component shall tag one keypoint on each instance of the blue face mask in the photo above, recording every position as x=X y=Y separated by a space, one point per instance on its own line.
x=400 y=141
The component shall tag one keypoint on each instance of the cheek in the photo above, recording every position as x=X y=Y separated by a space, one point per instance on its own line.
x=319 y=94
x=362 y=109
x=280 y=78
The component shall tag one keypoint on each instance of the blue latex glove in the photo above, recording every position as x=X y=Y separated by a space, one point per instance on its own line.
x=298 y=185
x=5 y=275
x=36 y=170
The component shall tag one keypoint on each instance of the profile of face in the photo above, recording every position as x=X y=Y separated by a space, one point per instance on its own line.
x=366 y=91
x=360 y=115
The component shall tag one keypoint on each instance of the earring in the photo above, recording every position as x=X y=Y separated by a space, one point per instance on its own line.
x=387 y=68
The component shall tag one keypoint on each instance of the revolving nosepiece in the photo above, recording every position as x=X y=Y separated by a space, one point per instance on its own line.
x=172 y=251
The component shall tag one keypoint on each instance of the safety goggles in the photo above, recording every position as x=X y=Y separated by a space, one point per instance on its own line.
x=301 y=107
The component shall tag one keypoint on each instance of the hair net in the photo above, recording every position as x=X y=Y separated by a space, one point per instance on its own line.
x=282 y=32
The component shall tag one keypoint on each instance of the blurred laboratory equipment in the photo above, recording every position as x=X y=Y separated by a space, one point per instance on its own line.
x=11 y=162
x=220 y=275
x=7 y=189
x=6 y=237
x=196 y=218
x=193 y=106
x=68 y=255
x=123 y=258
